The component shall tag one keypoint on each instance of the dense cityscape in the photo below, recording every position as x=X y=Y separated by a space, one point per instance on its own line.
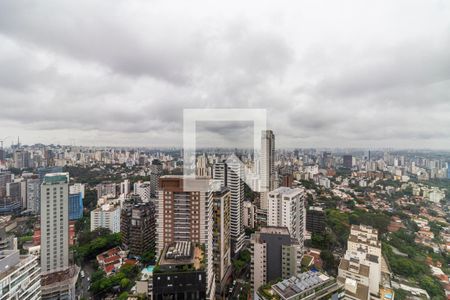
x=125 y=223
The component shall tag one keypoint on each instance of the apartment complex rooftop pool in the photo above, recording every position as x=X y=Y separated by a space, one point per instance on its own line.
x=147 y=272
x=148 y=269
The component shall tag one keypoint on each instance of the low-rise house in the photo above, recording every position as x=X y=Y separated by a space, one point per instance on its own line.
x=111 y=260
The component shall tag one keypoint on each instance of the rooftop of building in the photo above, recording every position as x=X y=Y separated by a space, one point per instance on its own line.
x=55 y=178
x=220 y=189
x=181 y=256
x=281 y=233
x=274 y=230
x=372 y=258
x=374 y=242
x=364 y=228
x=107 y=208
x=68 y=276
x=360 y=291
x=11 y=260
x=286 y=191
x=111 y=255
x=181 y=183
x=386 y=294
x=184 y=177
x=301 y=283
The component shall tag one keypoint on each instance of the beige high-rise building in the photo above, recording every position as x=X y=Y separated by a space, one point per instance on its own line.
x=222 y=238
x=187 y=216
x=249 y=214
x=202 y=166
x=363 y=271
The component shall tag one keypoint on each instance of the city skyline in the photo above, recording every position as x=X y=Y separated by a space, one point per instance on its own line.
x=225 y=150
x=329 y=74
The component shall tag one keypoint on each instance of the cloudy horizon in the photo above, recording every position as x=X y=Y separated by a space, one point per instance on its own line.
x=330 y=73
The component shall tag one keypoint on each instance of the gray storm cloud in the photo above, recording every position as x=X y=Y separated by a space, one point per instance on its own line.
x=329 y=74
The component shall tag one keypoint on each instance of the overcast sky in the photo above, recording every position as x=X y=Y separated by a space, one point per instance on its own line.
x=329 y=73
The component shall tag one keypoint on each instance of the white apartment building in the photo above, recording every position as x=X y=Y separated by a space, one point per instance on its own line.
x=77 y=188
x=236 y=185
x=125 y=187
x=58 y=277
x=325 y=182
x=286 y=208
x=55 y=222
x=436 y=195
x=106 y=216
x=143 y=189
x=20 y=276
x=229 y=174
x=220 y=172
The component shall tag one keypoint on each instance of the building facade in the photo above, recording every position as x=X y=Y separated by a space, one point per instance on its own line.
x=230 y=174
x=77 y=188
x=75 y=206
x=106 y=216
x=58 y=278
x=55 y=222
x=286 y=208
x=138 y=226
x=187 y=216
x=249 y=214
x=34 y=195
x=274 y=254
x=315 y=219
x=363 y=271
x=221 y=238
x=347 y=161
x=267 y=166
x=20 y=277
x=143 y=189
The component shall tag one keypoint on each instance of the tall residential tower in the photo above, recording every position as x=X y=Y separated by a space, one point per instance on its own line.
x=58 y=277
x=185 y=233
x=267 y=165
x=230 y=174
